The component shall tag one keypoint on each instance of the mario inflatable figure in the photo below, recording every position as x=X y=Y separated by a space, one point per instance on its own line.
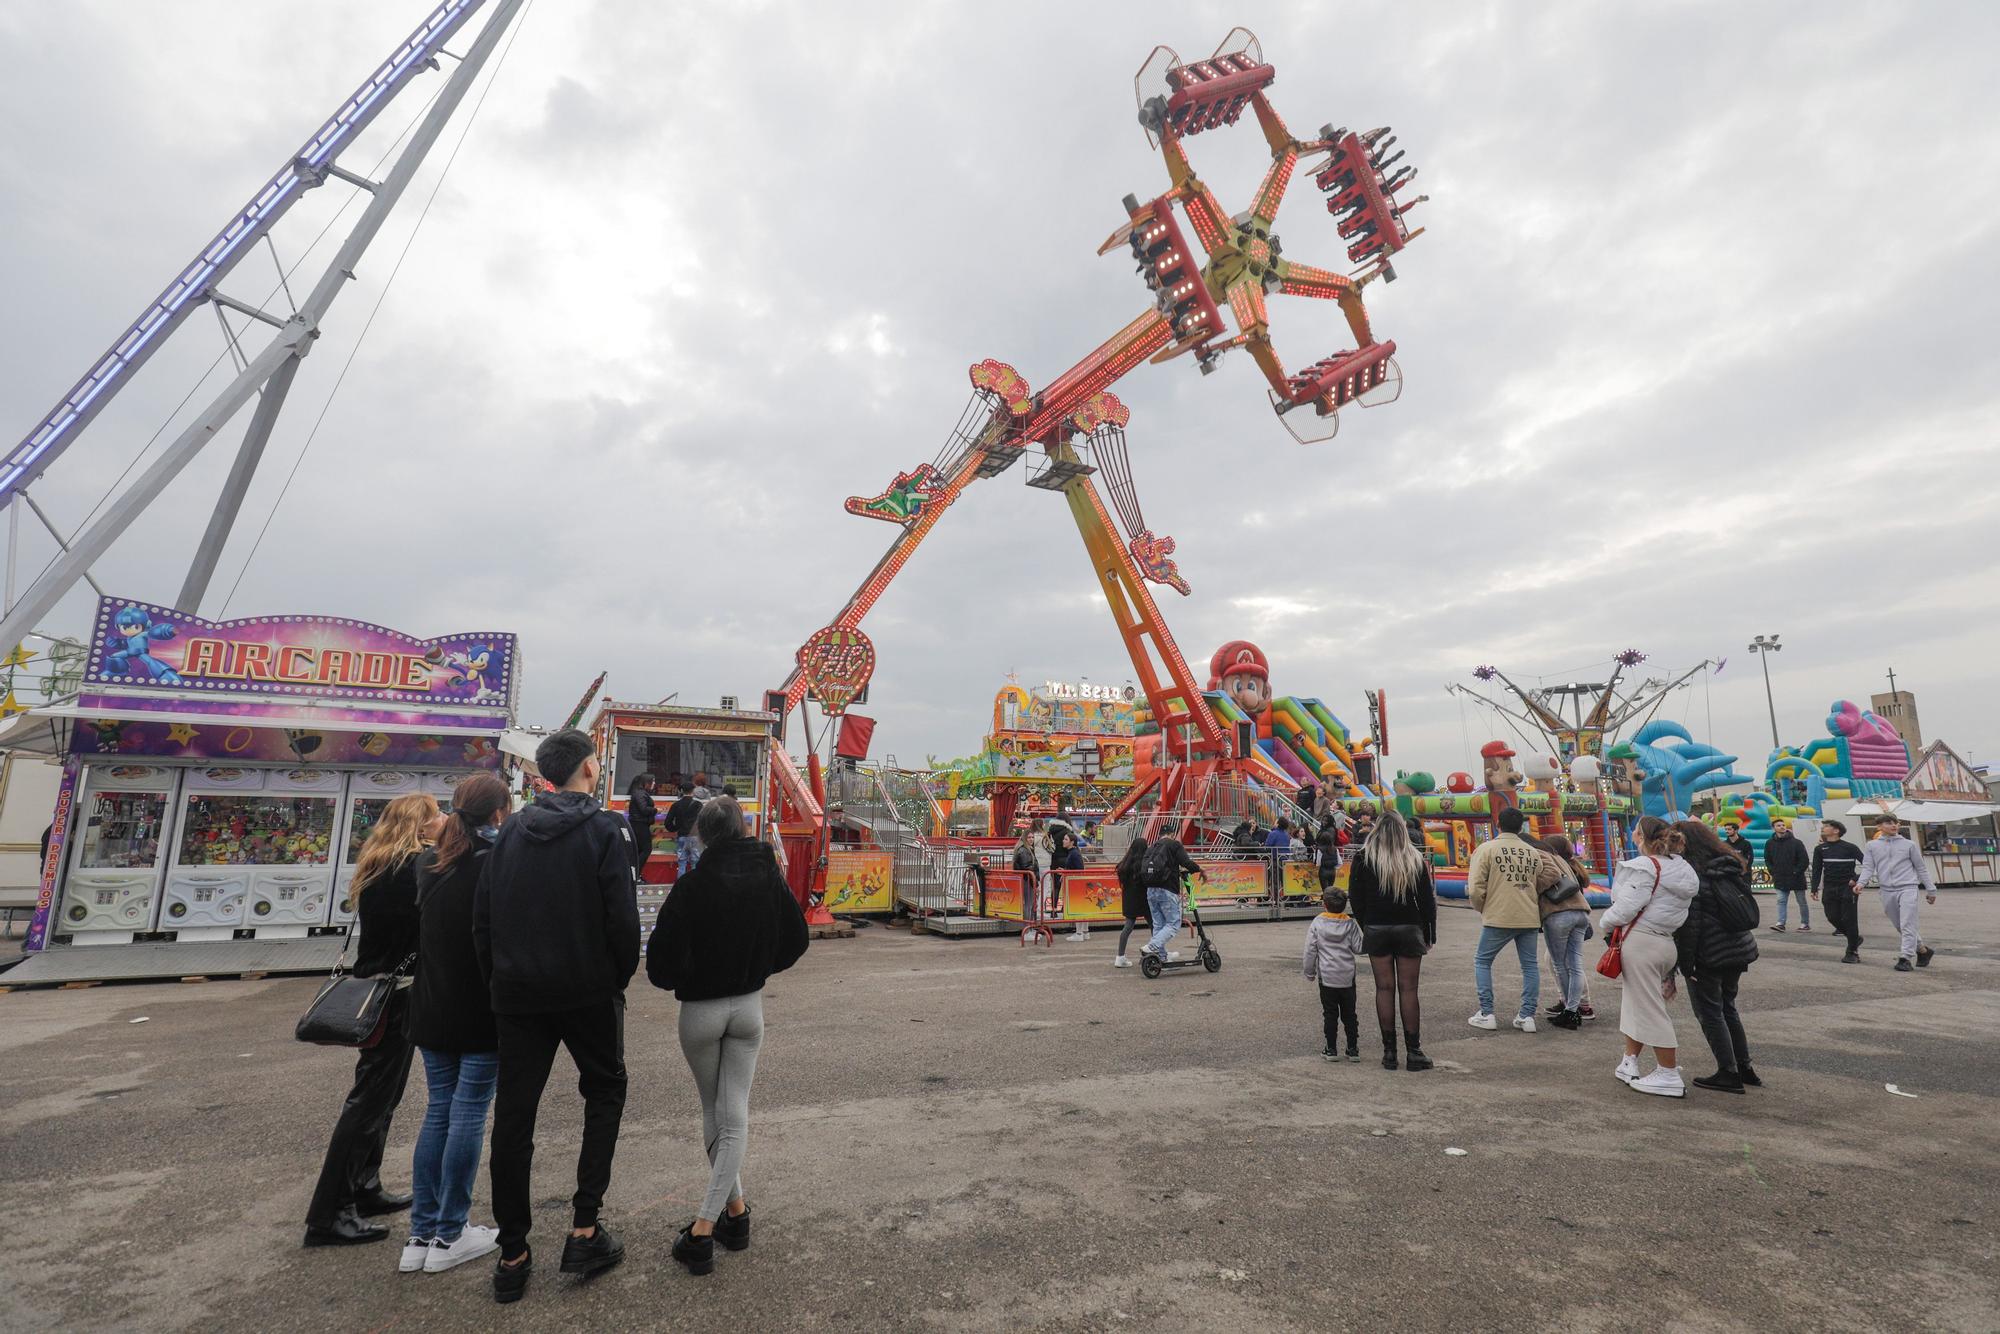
x=1240 y=670
x=1503 y=780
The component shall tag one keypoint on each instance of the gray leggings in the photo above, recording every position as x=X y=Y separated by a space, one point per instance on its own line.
x=720 y=1039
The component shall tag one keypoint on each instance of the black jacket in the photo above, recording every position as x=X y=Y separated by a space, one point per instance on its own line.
x=1835 y=864
x=641 y=811
x=451 y=1007
x=1740 y=845
x=681 y=815
x=1787 y=859
x=555 y=919
x=727 y=925
x=1702 y=944
x=1371 y=905
x=1132 y=892
x=388 y=913
x=1181 y=863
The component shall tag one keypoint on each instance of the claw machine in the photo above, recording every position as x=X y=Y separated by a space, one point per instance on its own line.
x=252 y=846
x=370 y=793
x=114 y=874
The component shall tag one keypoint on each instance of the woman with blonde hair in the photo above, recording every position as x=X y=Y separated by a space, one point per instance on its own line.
x=1389 y=893
x=385 y=894
x=1650 y=894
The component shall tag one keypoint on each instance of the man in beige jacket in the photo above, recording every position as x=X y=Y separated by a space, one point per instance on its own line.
x=1505 y=882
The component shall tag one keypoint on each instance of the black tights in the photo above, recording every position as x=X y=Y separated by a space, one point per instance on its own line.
x=1392 y=975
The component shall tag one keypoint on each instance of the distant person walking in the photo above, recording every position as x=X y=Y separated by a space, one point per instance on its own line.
x=1332 y=942
x=556 y=927
x=722 y=933
x=1650 y=894
x=1131 y=898
x=1740 y=845
x=1713 y=950
x=350 y=1188
x=1788 y=862
x=1894 y=864
x=451 y=1023
x=1504 y=881
x=1836 y=873
x=1565 y=926
x=641 y=812
x=1390 y=894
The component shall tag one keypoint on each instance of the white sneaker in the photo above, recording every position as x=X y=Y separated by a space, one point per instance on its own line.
x=1171 y=956
x=471 y=1244
x=1661 y=1081
x=415 y=1251
x=1081 y=933
x=1525 y=1022
x=1484 y=1020
x=1120 y=961
x=1628 y=1069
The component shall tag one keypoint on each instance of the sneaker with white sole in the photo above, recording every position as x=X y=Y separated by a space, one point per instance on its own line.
x=1628 y=1069
x=414 y=1251
x=1120 y=961
x=1662 y=1082
x=1081 y=933
x=1525 y=1022
x=471 y=1244
x=1484 y=1020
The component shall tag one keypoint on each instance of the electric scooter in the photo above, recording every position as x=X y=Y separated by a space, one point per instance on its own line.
x=1205 y=954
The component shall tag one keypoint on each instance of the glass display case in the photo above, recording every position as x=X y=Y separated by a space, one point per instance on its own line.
x=257 y=829
x=121 y=831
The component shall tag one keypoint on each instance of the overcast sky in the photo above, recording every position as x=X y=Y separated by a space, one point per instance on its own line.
x=1698 y=344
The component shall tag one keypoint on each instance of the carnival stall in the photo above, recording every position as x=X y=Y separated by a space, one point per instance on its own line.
x=220 y=778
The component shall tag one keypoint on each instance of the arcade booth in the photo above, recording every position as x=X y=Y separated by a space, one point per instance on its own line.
x=219 y=780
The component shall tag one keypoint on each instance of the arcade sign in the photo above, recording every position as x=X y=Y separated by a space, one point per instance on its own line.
x=139 y=645
x=837 y=661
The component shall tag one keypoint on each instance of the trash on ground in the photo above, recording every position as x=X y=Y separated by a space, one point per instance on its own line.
x=1454 y=1153
x=1891 y=1088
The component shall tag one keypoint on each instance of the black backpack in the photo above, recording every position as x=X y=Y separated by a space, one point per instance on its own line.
x=1159 y=868
x=1735 y=907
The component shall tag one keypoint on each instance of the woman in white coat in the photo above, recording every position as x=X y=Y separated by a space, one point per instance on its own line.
x=1649 y=899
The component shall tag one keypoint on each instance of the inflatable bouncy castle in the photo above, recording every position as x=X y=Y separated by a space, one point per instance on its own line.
x=1862 y=755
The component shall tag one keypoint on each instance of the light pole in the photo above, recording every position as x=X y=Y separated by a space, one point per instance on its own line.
x=1764 y=646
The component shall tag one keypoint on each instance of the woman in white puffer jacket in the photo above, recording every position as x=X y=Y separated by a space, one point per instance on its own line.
x=1649 y=897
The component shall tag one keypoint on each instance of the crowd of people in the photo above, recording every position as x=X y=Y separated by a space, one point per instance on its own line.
x=517 y=933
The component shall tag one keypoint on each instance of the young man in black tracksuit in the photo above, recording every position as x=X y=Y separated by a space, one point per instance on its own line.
x=1836 y=868
x=556 y=929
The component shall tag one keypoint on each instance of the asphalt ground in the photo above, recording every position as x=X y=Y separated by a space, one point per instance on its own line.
x=973 y=1135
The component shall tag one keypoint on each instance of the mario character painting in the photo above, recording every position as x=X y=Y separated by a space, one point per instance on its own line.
x=1503 y=780
x=139 y=633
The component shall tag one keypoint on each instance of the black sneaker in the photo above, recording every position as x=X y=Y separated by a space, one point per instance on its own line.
x=1924 y=953
x=1328 y=1054
x=1749 y=1077
x=733 y=1231
x=1722 y=1081
x=511 y=1281
x=1353 y=1056
x=592 y=1254
x=1569 y=1019
x=1554 y=1010
x=697 y=1253
x=1903 y=966
x=1852 y=956
x=1414 y=1059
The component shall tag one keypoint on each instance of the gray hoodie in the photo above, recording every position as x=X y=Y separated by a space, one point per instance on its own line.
x=1894 y=863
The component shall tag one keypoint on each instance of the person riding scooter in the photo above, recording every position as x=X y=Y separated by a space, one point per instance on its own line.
x=1161 y=870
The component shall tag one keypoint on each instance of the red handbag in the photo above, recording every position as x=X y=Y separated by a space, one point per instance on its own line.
x=1613 y=962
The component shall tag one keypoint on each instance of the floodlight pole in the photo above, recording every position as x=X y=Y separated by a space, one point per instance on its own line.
x=293 y=342
x=1764 y=646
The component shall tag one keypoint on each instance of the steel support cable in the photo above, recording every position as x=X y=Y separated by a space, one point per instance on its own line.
x=168 y=420
x=499 y=64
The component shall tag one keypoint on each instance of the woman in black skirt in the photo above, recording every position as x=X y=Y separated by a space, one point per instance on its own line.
x=1389 y=892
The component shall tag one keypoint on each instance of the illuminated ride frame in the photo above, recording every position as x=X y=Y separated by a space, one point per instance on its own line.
x=1078 y=425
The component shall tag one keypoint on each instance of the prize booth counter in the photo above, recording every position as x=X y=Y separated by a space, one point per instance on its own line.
x=719 y=747
x=220 y=779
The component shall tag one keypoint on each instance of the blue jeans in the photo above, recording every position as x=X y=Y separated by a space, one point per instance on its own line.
x=1166 y=906
x=1565 y=932
x=1526 y=947
x=1785 y=901
x=687 y=851
x=454 y=1129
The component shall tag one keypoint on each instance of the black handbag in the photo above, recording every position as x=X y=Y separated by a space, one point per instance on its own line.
x=351 y=1011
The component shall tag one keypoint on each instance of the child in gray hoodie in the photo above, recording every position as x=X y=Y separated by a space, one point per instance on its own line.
x=1332 y=942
